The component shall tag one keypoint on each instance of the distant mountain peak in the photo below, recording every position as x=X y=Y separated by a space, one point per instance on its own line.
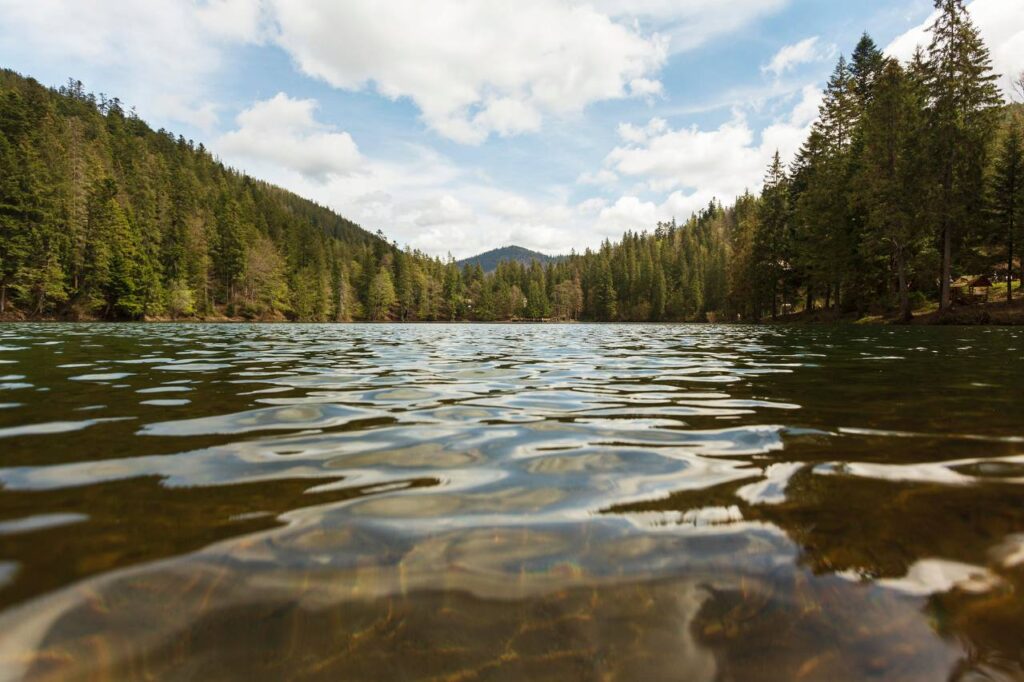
x=489 y=260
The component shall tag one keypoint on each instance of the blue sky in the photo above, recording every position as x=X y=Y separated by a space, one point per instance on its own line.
x=456 y=126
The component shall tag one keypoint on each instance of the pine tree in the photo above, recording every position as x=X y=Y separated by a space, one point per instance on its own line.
x=607 y=296
x=770 y=247
x=963 y=100
x=866 y=66
x=659 y=296
x=229 y=248
x=887 y=186
x=1006 y=195
x=382 y=295
x=17 y=214
x=824 y=230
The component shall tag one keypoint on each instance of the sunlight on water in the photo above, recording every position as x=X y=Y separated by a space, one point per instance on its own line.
x=477 y=502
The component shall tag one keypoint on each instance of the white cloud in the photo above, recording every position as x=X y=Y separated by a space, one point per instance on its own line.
x=445 y=210
x=724 y=161
x=472 y=68
x=637 y=135
x=632 y=213
x=159 y=55
x=513 y=207
x=493 y=67
x=691 y=157
x=791 y=56
x=421 y=199
x=283 y=131
x=1001 y=23
x=645 y=87
x=696 y=166
x=592 y=205
x=425 y=200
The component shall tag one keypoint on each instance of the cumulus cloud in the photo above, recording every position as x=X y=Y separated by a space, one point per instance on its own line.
x=472 y=68
x=513 y=207
x=425 y=200
x=639 y=135
x=160 y=54
x=791 y=56
x=1001 y=24
x=696 y=165
x=420 y=198
x=284 y=132
x=444 y=210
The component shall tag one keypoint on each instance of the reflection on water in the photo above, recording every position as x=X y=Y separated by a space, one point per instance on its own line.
x=508 y=502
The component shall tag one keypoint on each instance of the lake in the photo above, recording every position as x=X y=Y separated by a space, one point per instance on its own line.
x=637 y=502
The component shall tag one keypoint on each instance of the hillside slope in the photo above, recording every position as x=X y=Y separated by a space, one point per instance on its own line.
x=101 y=216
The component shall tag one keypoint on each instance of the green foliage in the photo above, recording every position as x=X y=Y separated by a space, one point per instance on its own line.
x=1006 y=194
x=102 y=216
x=382 y=295
x=962 y=113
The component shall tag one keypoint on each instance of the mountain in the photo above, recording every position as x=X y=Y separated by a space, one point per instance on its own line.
x=489 y=260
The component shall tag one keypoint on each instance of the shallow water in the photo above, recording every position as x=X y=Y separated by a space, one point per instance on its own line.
x=509 y=502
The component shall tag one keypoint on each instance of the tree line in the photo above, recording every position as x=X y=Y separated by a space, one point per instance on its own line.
x=912 y=174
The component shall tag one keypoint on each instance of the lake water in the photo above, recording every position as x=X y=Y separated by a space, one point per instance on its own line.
x=511 y=502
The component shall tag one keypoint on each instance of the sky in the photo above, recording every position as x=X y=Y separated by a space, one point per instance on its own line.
x=456 y=126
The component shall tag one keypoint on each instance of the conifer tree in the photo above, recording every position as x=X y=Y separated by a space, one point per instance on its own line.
x=1006 y=195
x=770 y=248
x=382 y=295
x=866 y=64
x=887 y=186
x=963 y=99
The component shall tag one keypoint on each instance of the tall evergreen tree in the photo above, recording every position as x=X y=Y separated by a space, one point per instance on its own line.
x=963 y=100
x=770 y=240
x=382 y=295
x=866 y=66
x=887 y=186
x=1006 y=195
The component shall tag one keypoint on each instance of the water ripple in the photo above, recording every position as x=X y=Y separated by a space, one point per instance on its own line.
x=593 y=471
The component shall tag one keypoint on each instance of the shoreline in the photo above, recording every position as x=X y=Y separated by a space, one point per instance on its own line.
x=998 y=314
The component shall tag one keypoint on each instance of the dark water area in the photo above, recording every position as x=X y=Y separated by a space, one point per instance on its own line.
x=479 y=502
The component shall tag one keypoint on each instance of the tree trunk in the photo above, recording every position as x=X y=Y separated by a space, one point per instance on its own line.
x=3 y=298
x=947 y=270
x=828 y=296
x=901 y=269
x=810 y=299
x=1009 y=267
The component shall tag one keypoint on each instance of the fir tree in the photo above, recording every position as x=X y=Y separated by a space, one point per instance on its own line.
x=1006 y=195
x=963 y=99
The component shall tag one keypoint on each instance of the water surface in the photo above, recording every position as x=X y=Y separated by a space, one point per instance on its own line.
x=511 y=502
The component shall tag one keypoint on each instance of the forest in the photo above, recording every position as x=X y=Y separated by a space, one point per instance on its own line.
x=912 y=176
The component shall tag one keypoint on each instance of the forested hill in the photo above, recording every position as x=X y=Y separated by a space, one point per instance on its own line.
x=489 y=260
x=101 y=216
